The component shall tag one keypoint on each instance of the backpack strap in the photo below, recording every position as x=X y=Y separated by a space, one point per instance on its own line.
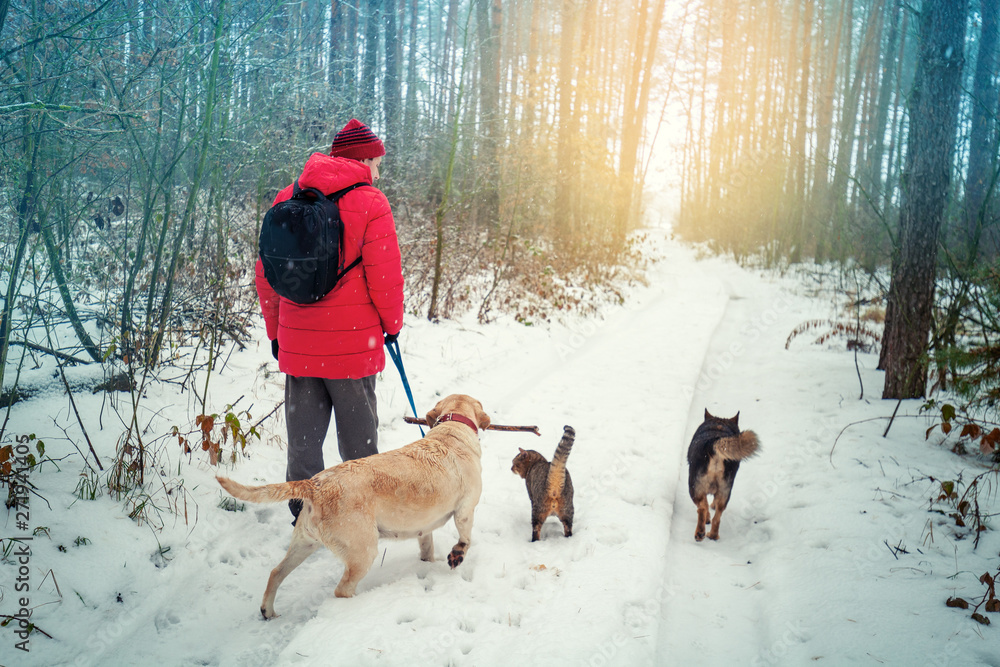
x=336 y=197
x=340 y=193
x=299 y=192
x=347 y=268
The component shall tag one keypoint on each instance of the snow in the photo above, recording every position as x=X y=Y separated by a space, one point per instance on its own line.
x=828 y=555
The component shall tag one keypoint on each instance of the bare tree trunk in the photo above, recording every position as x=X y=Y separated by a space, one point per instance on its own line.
x=640 y=82
x=799 y=145
x=562 y=217
x=824 y=131
x=67 y=298
x=893 y=159
x=838 y=192
x=488 y=14
x=391 y=83
x=369 y=73
x=445 y=203
x=4 y=4
x=410 y=119
x=876 y=136
x=531 y=85
x=25 y=215
x=934 y=104
x=350 y=54
x=335 y=67
x=982 y=143
x=206 y=133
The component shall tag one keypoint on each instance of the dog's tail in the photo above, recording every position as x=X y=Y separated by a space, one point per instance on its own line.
x=269 y=493
x=737 y=447
x=557 y=470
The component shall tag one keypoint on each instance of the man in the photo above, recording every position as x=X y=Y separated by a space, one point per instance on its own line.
x=331 y=350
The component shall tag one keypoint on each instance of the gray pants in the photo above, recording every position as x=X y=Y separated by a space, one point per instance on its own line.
x=308 y=406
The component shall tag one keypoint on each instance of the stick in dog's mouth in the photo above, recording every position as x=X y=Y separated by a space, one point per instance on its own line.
x=492 y=427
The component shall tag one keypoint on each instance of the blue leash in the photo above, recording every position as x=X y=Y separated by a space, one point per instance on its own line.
x=397 y=358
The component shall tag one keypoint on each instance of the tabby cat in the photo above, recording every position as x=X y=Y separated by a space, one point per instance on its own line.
x=549 y=485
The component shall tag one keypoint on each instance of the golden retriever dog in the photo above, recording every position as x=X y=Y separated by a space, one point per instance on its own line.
x=403 y=493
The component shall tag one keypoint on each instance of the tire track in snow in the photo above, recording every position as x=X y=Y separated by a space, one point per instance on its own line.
x=626 y=390
x=713 y=591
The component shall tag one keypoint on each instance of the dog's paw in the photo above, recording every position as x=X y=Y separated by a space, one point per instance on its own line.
x=699 y=535
x=266 y=615
x=713 y=536
x=455 y=558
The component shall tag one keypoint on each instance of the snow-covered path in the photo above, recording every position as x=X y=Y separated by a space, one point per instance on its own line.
x=800 y=574
x=621 y=383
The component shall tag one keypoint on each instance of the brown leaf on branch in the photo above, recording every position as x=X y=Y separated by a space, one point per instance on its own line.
x=971 y=430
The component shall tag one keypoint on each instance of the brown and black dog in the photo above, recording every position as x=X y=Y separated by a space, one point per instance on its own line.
x=403 y=493
x=714 y=457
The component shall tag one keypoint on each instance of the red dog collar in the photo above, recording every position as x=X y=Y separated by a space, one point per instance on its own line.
x=461 y=419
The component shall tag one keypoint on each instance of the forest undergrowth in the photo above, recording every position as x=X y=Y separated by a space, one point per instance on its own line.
x=215 y=312
x=960 y=411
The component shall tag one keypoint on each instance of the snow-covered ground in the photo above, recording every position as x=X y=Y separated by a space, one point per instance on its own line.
x=823 y=558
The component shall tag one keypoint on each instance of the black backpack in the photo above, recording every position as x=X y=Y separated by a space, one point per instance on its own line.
x=300 y=241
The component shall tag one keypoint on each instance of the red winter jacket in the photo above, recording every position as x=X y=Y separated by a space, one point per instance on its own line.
x=341 y=335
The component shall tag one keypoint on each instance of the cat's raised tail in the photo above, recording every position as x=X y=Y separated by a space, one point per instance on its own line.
x=557 y=470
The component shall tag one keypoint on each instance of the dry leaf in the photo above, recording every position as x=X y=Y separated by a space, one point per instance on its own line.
x=206 y=422
x=957 y=602
x=971 y=430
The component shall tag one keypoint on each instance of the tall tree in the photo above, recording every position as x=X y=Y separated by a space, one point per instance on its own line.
x=982 y=142
x=844 y=166
x=562 y=212
x=874 y=153
x=640 y=83
x=933 y=106
x=392 y=85
x=369 y=72
x=532 y=84
x=488 y=24
x=412 y=110
x=798 y=163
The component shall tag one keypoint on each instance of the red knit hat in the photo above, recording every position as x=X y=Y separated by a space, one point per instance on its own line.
x=357 y=142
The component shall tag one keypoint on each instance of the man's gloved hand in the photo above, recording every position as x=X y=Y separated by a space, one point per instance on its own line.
x=274 y=348
x=391 y=338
